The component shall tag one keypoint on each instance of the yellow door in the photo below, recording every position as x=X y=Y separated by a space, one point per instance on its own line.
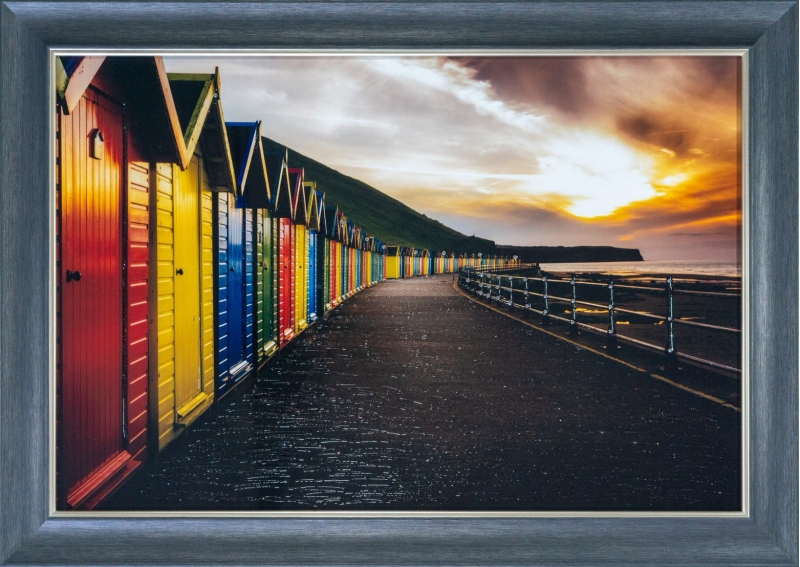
x=187 y=281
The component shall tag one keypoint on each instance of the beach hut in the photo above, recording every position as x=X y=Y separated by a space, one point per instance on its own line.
x=283 y=207
x=344 y=258
x=181 y=283
x=313 y=220
x=323 y=258
x=267 y=256
x=357 y=245
x=381 y=261
x=115 y=117
x=300 y=250
x=367 y=261
x=235 y=257
x=393 y=263
x=352 y=267
x=331 y=236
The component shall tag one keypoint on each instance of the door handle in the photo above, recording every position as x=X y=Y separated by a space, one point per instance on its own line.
x=179 y=271
x=232 y=269
x=73 y=276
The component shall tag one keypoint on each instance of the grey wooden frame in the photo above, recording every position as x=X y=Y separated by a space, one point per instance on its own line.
x=768 y=29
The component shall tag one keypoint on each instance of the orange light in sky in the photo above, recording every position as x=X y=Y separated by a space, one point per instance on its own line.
x=637 y=151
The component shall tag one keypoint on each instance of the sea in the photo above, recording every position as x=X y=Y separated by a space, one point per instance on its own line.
x=671 y=267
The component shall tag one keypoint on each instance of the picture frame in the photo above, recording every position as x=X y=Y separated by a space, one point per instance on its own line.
x=28 y=30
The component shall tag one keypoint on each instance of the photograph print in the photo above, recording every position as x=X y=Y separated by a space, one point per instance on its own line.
x=399 y=283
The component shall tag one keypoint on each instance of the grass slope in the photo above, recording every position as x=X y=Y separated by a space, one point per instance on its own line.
x=399 y=225
x=380 y=215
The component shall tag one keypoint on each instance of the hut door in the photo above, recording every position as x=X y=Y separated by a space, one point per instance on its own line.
x=187 y=277
x=312 y=276
x=236 y=321
x=264 y=275
x=301 y=257
x=285 y=286
x=333 y=276
x=90 y=286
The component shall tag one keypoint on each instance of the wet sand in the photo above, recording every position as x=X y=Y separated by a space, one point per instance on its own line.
x=413 y=397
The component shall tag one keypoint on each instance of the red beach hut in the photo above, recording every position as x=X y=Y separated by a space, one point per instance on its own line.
x=115 y=117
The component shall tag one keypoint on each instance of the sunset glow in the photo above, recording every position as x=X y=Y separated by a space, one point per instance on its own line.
x=624 y=151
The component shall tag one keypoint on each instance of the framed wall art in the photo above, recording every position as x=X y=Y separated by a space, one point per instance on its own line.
x=168 y=225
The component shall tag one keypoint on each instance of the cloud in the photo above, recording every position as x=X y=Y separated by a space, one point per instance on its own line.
x=522 y=150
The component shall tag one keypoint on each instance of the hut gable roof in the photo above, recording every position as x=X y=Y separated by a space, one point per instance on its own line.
x=312 y=207
x=341 y=228
x=278 y=174
x=73 y=76
x=248 y=159
x=194 y=95
x=215 y=145
x=298 y=195
x=141 y=83
x=199 y=107
x=350 y=233
x=323 y=220
x=332 y=222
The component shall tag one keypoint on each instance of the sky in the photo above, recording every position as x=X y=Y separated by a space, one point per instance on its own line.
x=631 y=151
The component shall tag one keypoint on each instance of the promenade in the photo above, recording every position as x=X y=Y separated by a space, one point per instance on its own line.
x=411 y=396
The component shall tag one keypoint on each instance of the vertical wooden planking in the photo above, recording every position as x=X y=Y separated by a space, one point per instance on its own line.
x=162 y=307
x=333 y=279
x=187 y=279
x=301 y=275
x=311 y=283
x=287 y=288
x=91 y=308
x=292 y=236
x=221 y=273
x=249 y=286
x=207 y=281
x=248 y=277
x=274 y=263
x=261 y=276
x=138 y=279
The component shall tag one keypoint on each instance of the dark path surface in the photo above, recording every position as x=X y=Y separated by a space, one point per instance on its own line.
x=412 y=397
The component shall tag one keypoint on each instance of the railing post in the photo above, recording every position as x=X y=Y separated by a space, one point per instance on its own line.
x=612 y=327
x=573 y=323
x=526 y=302
x=510 y=293
x=670 y=351
x=546 y=310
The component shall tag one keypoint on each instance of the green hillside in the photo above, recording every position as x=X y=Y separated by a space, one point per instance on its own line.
x=380 y=215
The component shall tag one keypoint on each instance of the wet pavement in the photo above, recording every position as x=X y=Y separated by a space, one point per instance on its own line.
x=412 y=397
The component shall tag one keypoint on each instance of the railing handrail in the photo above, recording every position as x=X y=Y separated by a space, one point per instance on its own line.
x=484 y=289
x=599 y=284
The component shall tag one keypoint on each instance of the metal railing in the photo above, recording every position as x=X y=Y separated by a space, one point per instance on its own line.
x=522 y=292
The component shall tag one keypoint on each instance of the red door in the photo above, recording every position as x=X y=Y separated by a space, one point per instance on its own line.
x=285 y=284
x=90 y=291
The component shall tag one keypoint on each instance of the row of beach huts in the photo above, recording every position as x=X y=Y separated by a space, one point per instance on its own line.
x=188 y=254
